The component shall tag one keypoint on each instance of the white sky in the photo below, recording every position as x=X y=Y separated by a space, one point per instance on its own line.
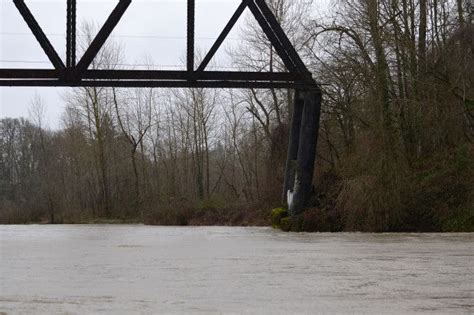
x=153 y=29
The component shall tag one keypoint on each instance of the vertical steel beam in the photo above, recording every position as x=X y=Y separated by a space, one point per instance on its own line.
x=306 y=151
x=190 y=35
x=73 y=32
x=68 y=33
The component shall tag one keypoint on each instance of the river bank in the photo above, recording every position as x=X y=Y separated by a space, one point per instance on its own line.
x=433 y=195
x=312 y=220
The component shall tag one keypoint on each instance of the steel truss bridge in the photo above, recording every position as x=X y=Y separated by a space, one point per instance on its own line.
x=76 y=72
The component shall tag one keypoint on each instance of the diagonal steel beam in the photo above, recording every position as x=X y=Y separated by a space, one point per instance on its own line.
x=272 y=37
x=39 y=34
x=102 y=36
x=281 y=35
x=223 y=35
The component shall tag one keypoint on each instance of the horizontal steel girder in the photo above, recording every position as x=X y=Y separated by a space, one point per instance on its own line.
x=152 y=78
x=157 y=84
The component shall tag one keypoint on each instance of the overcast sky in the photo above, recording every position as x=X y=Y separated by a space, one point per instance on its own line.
x=150 y=29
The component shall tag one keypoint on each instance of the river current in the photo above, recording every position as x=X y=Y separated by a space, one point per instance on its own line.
x=135 y=269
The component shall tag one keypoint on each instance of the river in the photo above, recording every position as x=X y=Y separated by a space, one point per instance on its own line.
x=135 y=269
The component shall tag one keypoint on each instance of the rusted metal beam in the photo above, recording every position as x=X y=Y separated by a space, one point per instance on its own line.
x=102 y=36
x=71 y=34
x=152 y=75
x=235 y=17
x=154 y=84
x=39 y=34
x=190 y=35
x=281 y=51
x=68 y=33
x=281 y=36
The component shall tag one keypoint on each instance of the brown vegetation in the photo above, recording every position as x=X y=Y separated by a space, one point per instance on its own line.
x=396 y=149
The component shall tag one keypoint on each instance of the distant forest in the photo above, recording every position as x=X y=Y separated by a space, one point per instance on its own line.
x=395 y=152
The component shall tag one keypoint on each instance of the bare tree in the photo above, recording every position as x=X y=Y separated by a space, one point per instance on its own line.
x=37 y=113
x=135 y=120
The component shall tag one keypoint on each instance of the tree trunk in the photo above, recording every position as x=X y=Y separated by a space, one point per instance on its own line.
x=382 y=92
x=422 y=36
x=136 y=179
x=460 y=12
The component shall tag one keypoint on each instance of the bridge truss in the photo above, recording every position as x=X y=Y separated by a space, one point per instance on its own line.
x=77 y=73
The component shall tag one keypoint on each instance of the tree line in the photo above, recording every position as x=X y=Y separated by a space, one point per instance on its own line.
x=396 y=142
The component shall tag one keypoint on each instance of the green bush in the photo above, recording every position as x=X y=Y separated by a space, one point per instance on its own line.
x=277 y=215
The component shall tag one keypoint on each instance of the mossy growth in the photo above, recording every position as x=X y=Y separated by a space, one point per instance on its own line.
x=281 y=220
x=277 y=215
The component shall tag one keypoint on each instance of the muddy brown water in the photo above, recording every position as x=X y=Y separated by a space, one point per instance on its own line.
x=135 y=269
